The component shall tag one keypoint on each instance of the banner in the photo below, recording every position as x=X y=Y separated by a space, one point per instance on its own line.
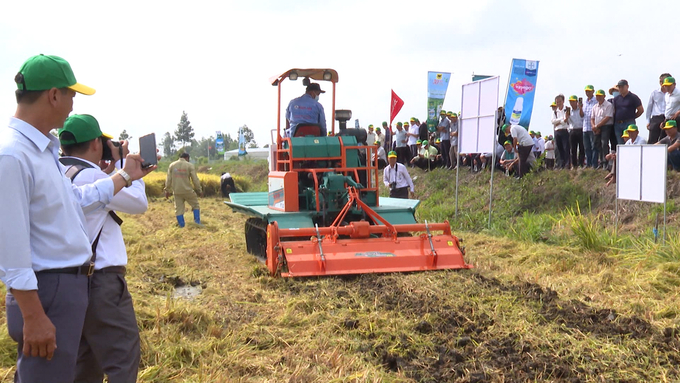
x=521 y=90
x=219 y=143
x=241 y=143
x=437 y=83
x=395 y=106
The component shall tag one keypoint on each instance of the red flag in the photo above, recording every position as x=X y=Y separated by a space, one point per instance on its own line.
x=395 y=106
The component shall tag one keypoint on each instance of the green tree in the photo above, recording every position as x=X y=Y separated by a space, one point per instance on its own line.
x=248 y=135
x=184 y=132
x=252 y=144
x=168 y=144
x=124 y=135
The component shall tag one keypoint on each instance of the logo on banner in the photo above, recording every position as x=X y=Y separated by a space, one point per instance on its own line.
x=522 y=86
x=439 y=76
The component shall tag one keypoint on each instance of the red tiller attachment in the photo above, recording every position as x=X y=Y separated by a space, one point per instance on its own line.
x=359 y=247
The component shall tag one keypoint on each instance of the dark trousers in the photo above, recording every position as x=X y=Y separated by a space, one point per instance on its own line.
x=562 y=146
x=597 y=149
x=607 y=134
x=674 y=159
x=576 y=142
x=414 y=151
x=64 y=299
x=399 y=192
x=403 y=155
x=524 y=152
x=110 y=341
x=445 y=150
x=619 y=128
x=655 y=131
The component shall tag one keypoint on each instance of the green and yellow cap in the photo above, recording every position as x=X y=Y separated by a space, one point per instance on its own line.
x=370 y=126
x=377 y=129
x=590 y=87
x=553 y=104
x=505 y=127
x=670 y=123
x=532 y=132
x=668 y=81
x=625 y=134
x=377 y=142
x=599 y=92
x=442 y=112
x=46 y=72
x=399 y=124
x=82 y=128
x=438 y=141
x=425 y=142
x=392 y=154
x=412 y=119
x=508 y=142
x=632 y=128
x=573 y=98
x=419 y=142
x=384 y=123
x=406 y=123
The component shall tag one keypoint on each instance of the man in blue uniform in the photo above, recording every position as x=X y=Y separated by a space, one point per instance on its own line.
x=306 y=110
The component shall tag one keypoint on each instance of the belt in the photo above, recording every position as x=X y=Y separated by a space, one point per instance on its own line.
x=620 y=121
x=78 y=270
x=112 y=270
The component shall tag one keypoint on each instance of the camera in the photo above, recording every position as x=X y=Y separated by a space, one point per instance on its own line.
x=107 y=155
x=393 y=185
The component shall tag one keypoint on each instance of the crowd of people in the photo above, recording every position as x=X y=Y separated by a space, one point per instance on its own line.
x=585 y=133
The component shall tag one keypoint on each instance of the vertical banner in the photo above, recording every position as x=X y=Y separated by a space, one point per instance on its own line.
x=219 y=143
x=521 y=90
x=396 y=104
x=437 y=83
x=241 y=143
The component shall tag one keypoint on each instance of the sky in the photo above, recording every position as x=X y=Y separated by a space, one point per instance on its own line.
x=151 y=60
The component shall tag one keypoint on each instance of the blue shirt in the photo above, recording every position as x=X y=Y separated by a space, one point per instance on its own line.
x=400 y=136
x=42 y=225
x=305 y=110
x=587 y=113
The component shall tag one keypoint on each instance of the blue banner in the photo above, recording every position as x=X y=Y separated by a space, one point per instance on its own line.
x=519 y=102
x=437 y=83
x=219 y=143
x=241 y=143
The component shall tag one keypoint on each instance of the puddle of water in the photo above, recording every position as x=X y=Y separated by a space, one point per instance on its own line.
x=187 y=292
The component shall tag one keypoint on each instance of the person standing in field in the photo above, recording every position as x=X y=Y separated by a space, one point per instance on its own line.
x=183 y=183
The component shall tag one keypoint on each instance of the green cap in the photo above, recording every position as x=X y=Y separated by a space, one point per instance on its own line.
x=46 y=72
x=590 y=87
x=553 y=104
x=453 y=114
x=505 y=127
x=399 y=124
x=83 y=127
x=625 y=134
x=632 y=128
x=384 y=123
x=392 y=153
x=425 y=143
x=538 y=134
x=442 y=111
x=413 y=119
x=573 y=98
x=377 y=142
x=668 y=81
x=406 y=123
x=419 y=142
x=600 y=92
x=532 y=132
x=670 y=123
x=377 y=129
x=370 y=126
x=508 y=142
x=437 y=141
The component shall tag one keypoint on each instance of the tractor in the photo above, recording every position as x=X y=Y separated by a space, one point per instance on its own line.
x=323 y=214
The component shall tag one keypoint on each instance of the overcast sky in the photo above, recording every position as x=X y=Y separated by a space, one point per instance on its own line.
x=149 y=61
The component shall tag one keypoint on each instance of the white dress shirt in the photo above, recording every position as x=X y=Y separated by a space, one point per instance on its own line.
x=672 y=103
x=414 y=129
x=398 y=174
x=558 y=117
x=656 y=105
x=131 y=200
x=42 y=225
x=602 y=111
x=638 y=141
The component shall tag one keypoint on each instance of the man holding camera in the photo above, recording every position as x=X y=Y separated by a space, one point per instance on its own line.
x=110 y=340
x=396 y=177
x=45 y=254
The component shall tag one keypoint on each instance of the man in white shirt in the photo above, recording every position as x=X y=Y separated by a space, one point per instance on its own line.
x=453 y=127
x=444 y=129
x=560 y=122
x=656 y=107
x=522 y=142
x=576 y=132
x=44 y=248
x=370 y=136
x=601 y=120
x=672 y=99
x=396 y=177
x=412 y=133
x=401 y=145
x=110 y=340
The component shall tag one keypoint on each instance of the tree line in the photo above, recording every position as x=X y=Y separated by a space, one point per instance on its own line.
x=182 y=140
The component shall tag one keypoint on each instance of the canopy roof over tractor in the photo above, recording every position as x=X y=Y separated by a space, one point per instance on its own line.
x=315 y=74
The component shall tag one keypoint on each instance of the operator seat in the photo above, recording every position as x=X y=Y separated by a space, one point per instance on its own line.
x=303 y=130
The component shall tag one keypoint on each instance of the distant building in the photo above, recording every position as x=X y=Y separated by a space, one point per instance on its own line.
x=253 y=153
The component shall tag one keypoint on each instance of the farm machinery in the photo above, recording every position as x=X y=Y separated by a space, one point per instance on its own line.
x=322 y=213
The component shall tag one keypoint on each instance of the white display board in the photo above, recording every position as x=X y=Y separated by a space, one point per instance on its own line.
x=641 y=172
x=477 y=130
